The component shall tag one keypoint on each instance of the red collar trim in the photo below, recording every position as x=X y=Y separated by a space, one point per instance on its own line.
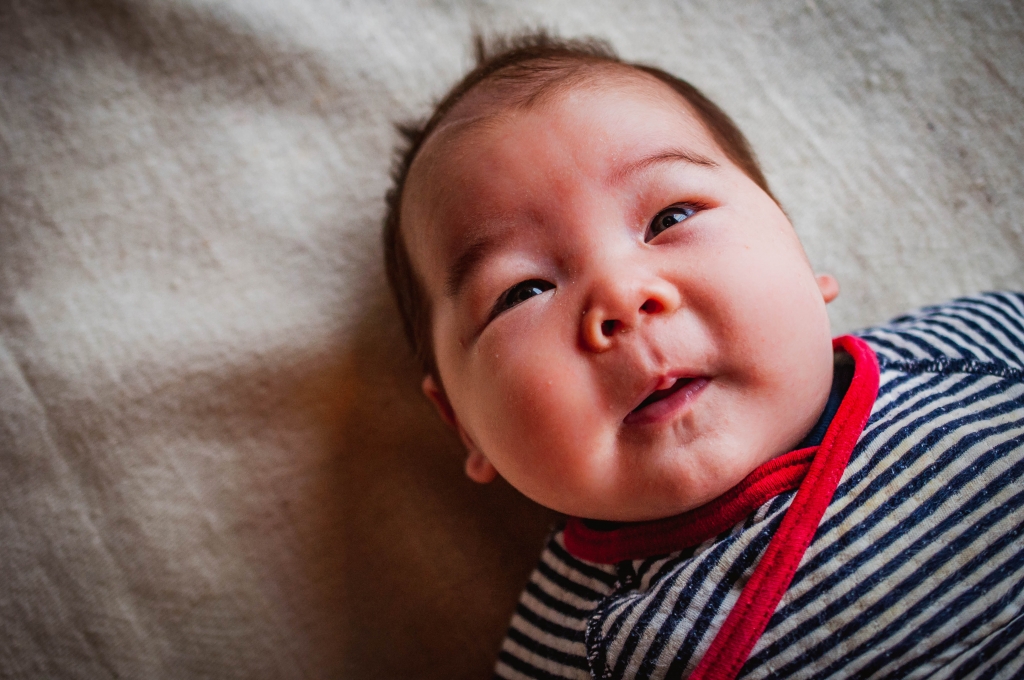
x=786 y=472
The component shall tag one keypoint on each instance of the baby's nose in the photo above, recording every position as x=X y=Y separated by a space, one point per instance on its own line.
x=623 y=310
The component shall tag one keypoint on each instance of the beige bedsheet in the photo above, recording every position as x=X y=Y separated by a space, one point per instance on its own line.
x=214 y=460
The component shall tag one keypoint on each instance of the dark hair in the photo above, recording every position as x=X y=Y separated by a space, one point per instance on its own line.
x=529 y=65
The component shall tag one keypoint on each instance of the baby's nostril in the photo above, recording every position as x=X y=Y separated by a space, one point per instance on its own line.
x=608 y=327
x=652 y=307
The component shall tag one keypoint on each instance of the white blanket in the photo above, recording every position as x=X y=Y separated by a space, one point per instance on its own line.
x=214 y=459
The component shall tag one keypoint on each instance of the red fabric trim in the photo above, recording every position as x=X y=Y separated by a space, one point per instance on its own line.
x=663 y=536
x=773 y=574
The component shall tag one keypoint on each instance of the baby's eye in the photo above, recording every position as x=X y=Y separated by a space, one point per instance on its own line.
x=668 y=217
x=521 y=292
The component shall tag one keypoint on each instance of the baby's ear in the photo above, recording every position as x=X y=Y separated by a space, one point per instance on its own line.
x=440 y=401
x=828 y=286
x=478 y=468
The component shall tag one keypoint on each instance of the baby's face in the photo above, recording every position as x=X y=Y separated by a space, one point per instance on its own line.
x=624 y=323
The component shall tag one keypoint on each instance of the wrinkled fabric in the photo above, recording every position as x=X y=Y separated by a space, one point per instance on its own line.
x=214 y=458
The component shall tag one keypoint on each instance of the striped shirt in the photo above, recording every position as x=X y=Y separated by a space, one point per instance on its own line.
x=916 y=567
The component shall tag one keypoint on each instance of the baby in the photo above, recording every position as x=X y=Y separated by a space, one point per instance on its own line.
x=617 y=317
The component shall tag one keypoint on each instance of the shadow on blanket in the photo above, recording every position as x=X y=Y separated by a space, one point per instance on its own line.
x=431 y=564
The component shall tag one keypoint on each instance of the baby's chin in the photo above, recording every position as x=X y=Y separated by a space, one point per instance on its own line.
x=649 y=503
x=677 y=486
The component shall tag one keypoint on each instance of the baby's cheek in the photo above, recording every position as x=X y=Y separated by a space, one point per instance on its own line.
x=543 y=404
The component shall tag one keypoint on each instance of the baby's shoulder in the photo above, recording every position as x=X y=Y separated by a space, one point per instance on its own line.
x=547 y=637
x=977 y=334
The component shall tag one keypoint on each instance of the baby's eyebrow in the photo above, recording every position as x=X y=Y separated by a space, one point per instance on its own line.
x=465 y=263
x=667 y=156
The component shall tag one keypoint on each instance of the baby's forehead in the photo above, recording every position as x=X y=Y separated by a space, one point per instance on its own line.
x=495 y=100
x=492 y=104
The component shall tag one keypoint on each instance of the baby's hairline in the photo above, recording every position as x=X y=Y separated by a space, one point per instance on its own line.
x=527 y=97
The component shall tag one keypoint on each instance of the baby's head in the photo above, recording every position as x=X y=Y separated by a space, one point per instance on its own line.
x=611 y=308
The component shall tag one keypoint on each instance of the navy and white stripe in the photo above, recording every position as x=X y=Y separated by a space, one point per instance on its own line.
x=917 y=568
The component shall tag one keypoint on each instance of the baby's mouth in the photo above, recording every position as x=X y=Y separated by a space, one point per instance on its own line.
x=658 y=395
x=674 y=394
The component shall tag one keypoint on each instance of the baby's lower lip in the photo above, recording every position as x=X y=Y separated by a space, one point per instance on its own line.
x=665 y=408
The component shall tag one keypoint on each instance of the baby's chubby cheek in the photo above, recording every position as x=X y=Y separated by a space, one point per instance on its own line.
x=529 y=390
x=527 y=402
